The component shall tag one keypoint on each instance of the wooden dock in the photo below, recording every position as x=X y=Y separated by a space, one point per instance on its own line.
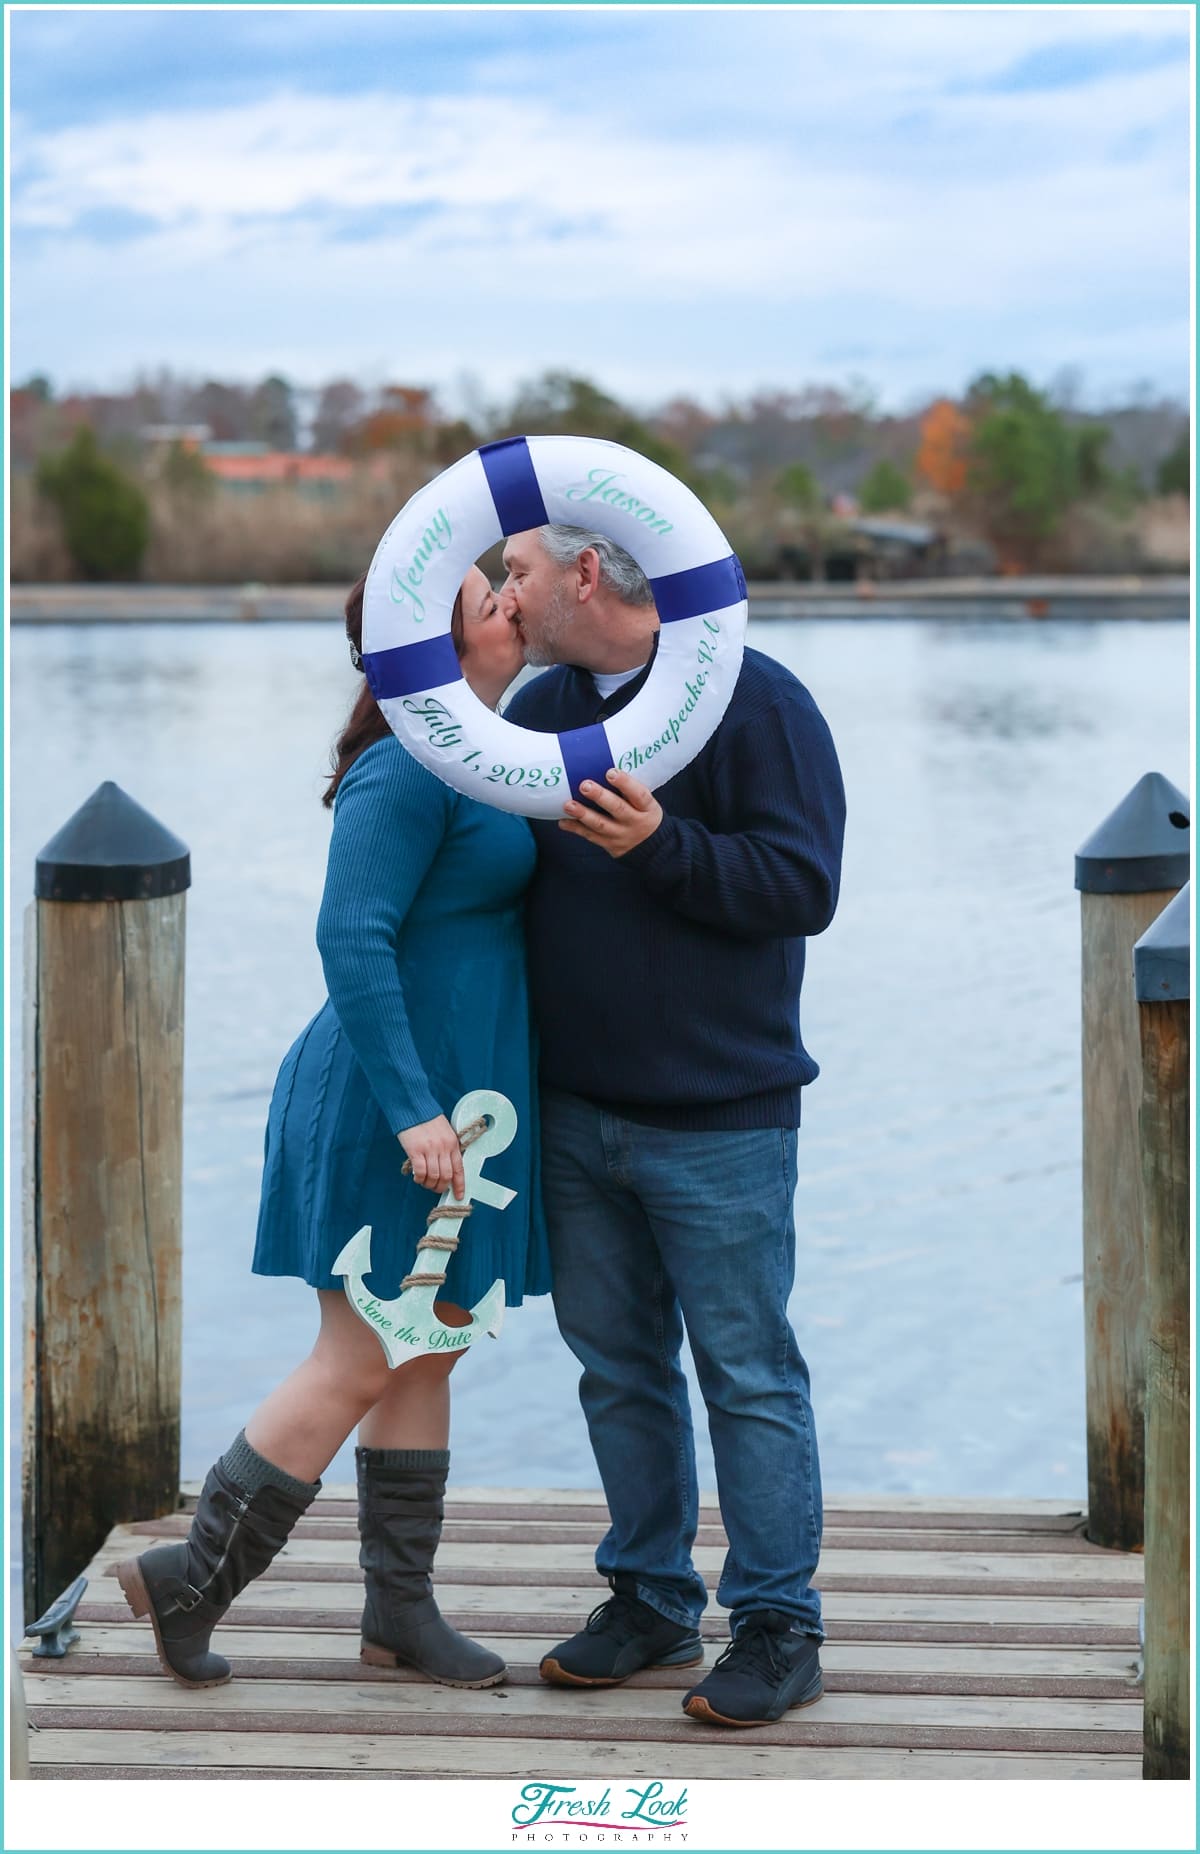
x=967 y=1638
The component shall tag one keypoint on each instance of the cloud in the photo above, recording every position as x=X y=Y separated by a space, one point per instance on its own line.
x=514 y=202
x=339 y=224
x=1064 y=65
x=102 y=64
x=717 y=194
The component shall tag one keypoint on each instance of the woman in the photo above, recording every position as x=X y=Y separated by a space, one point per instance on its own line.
x=420 y=936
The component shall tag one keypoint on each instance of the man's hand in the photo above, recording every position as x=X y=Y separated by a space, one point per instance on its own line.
x=631 y=813
x=434 y=1155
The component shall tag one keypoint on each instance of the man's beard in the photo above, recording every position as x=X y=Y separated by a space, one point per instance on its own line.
x=551 y=645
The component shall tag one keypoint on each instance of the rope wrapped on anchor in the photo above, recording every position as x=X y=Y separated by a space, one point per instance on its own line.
x=414 y=1324
x=448 y=1243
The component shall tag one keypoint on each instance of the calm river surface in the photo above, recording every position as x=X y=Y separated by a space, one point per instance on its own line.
x=938 y=1292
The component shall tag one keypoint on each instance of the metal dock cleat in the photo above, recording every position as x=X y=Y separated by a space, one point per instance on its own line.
x=55 y=1629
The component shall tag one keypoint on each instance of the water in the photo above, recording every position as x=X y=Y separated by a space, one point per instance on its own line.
x=938 y=1294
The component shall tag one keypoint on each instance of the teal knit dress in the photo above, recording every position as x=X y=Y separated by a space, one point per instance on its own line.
x=421 y=937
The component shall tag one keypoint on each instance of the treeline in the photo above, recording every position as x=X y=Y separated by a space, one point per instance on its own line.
x=814 y=483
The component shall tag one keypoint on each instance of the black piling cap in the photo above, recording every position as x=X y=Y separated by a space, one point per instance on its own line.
x=1141 y=846
x=112 y=850
x=1161 y=956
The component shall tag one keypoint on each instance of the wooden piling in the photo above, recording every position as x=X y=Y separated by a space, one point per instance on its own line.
x=1127 y=871
x=104 y=1186
x=1161 y=982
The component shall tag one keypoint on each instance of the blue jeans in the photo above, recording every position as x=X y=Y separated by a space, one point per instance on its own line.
x=651 y=1230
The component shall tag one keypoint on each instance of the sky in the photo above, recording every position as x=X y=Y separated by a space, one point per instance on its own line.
x=671 y=200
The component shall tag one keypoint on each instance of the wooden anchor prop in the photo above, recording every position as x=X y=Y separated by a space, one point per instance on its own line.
x=408 y=1327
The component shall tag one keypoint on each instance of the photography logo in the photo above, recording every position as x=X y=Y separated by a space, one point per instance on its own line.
x=568 y=1815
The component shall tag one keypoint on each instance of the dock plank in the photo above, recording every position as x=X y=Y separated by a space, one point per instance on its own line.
x=1006 y=1555
x=579 y=1712
x=960 y=1505
x=872 y=1667
x=351 y=1754
x=1055 y=1539
x=341 y=1647
x=569 y=1604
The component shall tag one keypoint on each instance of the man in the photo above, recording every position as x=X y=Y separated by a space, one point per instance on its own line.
x=666 y=937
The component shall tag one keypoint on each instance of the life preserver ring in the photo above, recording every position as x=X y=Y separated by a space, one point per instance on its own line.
x=503 y=489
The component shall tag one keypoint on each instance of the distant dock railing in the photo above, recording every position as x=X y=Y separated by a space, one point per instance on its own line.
x=1019 y=600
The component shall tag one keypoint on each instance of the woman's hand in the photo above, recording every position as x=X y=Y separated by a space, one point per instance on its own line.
x=631 y=813
x=435 y=1155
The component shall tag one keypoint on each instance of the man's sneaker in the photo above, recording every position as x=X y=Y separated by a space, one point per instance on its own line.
x=766 y=1669
x=621 y=1636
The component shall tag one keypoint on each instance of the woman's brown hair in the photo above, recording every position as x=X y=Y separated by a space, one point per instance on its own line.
x=367 y=722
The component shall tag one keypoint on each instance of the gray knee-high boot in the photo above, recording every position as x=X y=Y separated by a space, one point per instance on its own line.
x=244 y=1516
x=400 y=1509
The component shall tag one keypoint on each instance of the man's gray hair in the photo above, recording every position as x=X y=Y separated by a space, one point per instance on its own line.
x=619 y=571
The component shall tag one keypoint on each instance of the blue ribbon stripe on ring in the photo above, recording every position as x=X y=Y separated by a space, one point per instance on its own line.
x=586 y=754
x=408 y=669
x=699 y=589
x=513 y=482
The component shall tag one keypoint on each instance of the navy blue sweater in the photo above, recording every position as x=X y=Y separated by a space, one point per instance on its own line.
x=665 y=983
